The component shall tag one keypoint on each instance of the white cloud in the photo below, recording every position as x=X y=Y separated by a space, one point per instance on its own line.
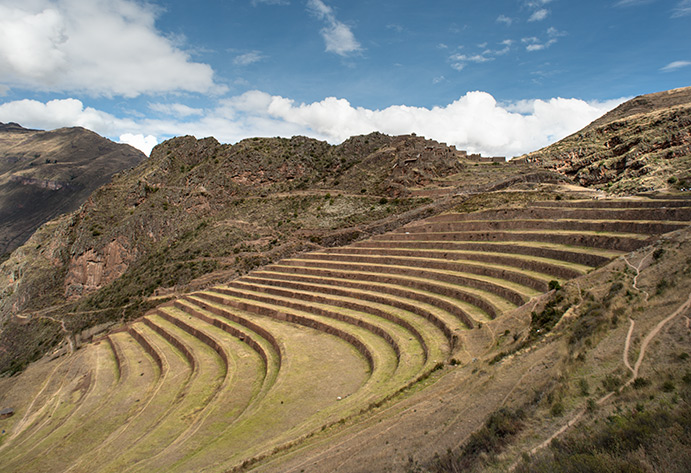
x=248 y=58
x=459 y=61
x=337 y=36
x=175 y=109
x=673 y=66
x=534 y=43
x=100 y=47
x=475 y=122
x=539 y=15
x=504 y=19
x=141 y=142
x=683 y=8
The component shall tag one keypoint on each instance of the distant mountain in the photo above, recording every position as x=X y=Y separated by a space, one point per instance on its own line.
x=642 y=145
x=47 y=173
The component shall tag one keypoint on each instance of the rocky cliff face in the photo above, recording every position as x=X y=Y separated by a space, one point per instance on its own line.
x=643 y=145
x=93 y=269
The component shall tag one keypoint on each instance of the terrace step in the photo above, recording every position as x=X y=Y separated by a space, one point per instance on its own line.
x=541 y=264
x=208 y=372
x=334 y=316
x=242 y=387
x=624 y=242
x=362 y=342
x=588 y=257
x=315 y=366
x=458 y=294
x=548 y=213
x=344 y=299
x=263 y=341
x=527 y=278
x=614 y=204
x=443 y=321
x=53 y=407
x=456 y=224
x=175 y=375
x=93 y=410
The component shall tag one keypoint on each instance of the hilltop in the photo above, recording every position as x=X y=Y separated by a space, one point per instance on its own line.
x=387 y=304
x=44 y=174
x=642 y=145
x=198 y=211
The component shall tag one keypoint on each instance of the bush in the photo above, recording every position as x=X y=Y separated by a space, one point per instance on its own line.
x=554 y=285
x=639 y=383
x=611 y=382
x=499 y=428
x=659 y=437
x=557 y=409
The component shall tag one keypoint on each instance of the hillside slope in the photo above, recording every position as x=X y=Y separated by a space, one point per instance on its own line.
x=381 y=305
x=379 y=355
x=47 y=173
x=199 y=211
x=642 y=145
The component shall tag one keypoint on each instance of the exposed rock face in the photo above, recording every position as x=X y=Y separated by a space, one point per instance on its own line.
x=92 y=270
x=642 y=145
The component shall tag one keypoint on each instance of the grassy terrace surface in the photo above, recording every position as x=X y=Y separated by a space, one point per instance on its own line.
x=244 y=370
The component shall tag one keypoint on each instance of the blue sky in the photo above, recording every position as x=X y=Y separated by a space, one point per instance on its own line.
x=498 y=76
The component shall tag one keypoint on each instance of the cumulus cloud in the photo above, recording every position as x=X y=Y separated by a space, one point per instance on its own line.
x=673 y=66
x=100 y=47
x=474 y=122
x=504 y=19
x=337 y=36
x=141 y=142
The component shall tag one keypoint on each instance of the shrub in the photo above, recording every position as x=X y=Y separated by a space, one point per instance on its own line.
x=554 y=285
x=639 y=383
x=557 y=409
x=499 y=428
x=611 y=382
x=668 y=386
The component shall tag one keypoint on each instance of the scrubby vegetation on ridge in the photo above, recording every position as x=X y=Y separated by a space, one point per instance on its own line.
x=285 y=305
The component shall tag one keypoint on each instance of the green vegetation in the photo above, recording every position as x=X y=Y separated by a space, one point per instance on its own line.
x=498 y=430
x=633 y=441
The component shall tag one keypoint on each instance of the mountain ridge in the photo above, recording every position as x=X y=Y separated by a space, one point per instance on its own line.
x=46 y=173
x=487 y=303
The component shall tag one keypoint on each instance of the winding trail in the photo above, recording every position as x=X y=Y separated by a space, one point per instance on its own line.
x=641 y=356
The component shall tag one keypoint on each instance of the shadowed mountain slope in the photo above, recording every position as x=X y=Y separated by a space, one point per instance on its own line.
x=47 y=173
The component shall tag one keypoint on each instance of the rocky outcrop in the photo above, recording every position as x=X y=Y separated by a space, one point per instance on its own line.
x=41 y=183
x=640 y=146
x=93 y=269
